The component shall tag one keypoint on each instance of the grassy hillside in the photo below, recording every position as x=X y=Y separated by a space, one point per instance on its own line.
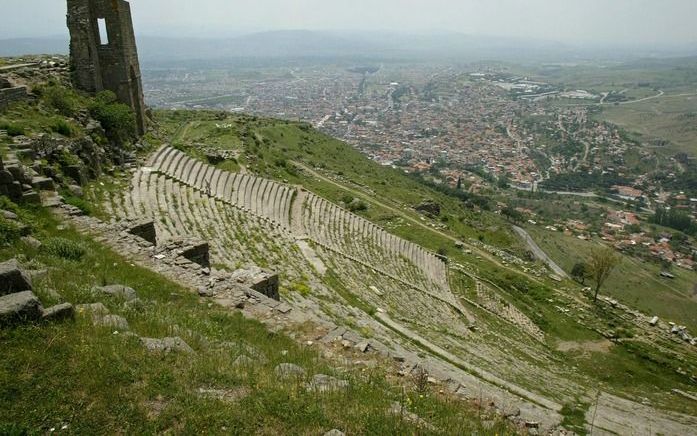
x=297 y=154
x=95 y=380
x=98 y=379
x=634 y=282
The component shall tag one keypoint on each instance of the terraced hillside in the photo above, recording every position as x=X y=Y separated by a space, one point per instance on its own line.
x=250 y=218
x=340 y=268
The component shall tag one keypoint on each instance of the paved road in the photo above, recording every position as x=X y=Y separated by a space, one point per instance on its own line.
x=537 y=251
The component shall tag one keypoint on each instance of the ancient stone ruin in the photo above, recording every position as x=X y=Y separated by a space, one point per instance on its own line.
x=10 y=93
x=103 y=52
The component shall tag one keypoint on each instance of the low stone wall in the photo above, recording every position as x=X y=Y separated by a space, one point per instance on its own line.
x=10 y=95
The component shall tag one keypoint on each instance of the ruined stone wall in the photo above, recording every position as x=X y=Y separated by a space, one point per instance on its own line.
x=98 y=65
x=9 y=95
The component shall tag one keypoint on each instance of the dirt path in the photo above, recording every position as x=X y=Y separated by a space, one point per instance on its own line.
x=539 y=253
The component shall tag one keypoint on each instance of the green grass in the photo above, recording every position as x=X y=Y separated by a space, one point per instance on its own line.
x=669 y=118
x=96 y=381
x=634 y=282
x=293 y=152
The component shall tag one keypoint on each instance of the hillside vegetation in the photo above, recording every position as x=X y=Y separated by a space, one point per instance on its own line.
x=499 y=325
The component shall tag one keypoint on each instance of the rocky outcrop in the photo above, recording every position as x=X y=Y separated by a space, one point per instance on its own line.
x=18 y=304
x=166 y=345
x=262 y=281
x=118 y=291
x=429 y=207
x=20 y=307
x=144 y=229
x=13 y=278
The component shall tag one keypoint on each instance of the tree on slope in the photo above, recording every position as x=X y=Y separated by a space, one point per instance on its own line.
x=601 y=263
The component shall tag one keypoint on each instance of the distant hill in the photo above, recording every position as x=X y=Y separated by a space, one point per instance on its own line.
x=304 y=44
x=23 y=46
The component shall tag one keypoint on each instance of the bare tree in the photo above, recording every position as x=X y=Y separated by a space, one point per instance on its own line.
x=601 y=263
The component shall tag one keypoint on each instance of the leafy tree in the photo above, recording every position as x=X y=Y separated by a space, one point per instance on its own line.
x=601 y=263
x=117 y=119
x=580 y=272
x=512 y=215
x=675 y=219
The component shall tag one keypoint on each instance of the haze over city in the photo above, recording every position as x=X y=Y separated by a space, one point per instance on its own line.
x=593 y=22
x=348 y=217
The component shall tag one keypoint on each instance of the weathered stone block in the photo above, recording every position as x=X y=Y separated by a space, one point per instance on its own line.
x=19 y=308
x=14 y=191
x=43 y=184
x=16 y=171
x=31 y=197
x=267 y=284
x=264 y=282
x=197 y=252
x=6 y=177
x=77 y=173
x=118 y=291
x=166 y=345
x=13 y=278
x=59 y=313
x=145 y=230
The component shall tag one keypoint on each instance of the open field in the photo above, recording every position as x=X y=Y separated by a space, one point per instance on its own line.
x=672 y=118
x=634 y=282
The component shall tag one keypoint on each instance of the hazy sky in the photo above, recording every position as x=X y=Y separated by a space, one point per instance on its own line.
x=571 y=21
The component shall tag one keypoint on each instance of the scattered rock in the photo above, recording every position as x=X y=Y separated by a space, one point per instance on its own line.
x=19 y=307
x=323 y=383
x=118 y=291
x=13 y=278
x=32 y=242
x=37 y=274
x=9 y=215
x=284 y=308
x=399 y=410
x=532 y=424
x=60 y=312
x=430 y=207
x=509 y=412
x=113 y=321
x=94 y=308
x=43 y=184
x=289 y=370
x=206 y=292
x=243 y=362
x=363 y=347
x=53 y=294
x=226 y=395
x=166 y=345
x=333 y=335
x=75 y=191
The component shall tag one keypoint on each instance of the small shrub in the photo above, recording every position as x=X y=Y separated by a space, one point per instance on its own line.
x=12 y=128
x=117 y=119
x=357 y=205
x=80 y=203
x=64 y=100
x=63 y=127
x=9 y=231
x=64 y=248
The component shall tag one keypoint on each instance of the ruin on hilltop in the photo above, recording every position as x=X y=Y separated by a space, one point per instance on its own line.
x=103 y=52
